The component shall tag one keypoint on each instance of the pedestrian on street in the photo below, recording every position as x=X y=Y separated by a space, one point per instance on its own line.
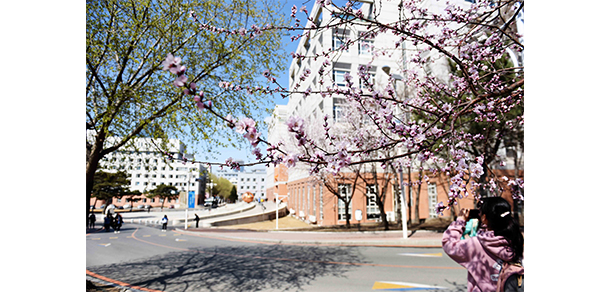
x=196 y=221
x=107 y=222
x=118 y=223
x=113 y=222
x=164 y=222
x=92 y=220
x=499 y=240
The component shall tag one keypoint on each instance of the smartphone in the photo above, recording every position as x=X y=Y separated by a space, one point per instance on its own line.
x=474 y=214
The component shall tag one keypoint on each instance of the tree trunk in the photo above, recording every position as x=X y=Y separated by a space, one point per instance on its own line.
x=92 y=164
x=347 y=213
x=416 y=207
x=380 y=198
x=421 y=176
x=94 y=154
x=399 y=209
x=410 y=204
x=384 y=219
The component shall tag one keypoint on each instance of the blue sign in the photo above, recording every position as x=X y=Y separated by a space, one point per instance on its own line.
x=191 y=199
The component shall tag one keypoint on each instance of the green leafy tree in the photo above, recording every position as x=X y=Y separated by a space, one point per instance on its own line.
x=127 y=93
x=108 y=185
x=233 y=195
x=130 y=198
x=505 y=131
x=487 y=131
x=164 y=192
x=221 y=186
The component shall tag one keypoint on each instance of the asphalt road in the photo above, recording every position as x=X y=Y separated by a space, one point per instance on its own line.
x=151 y=260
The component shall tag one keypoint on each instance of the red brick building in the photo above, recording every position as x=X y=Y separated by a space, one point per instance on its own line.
x=310 y=199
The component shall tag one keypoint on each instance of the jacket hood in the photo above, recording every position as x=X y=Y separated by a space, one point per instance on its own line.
x=496 y=245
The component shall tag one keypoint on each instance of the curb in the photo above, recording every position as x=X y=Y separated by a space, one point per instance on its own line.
x=415 y=242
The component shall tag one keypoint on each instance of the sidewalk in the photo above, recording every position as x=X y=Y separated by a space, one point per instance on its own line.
x=421 y=238
x=265 y=232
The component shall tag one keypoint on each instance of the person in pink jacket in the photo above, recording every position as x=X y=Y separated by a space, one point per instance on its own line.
x=499 y=240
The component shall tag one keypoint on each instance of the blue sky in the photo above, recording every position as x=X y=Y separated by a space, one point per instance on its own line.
x=282 y=78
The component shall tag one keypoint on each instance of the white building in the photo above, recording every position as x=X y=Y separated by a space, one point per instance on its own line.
x=147 y=167
x=303 y=194
x=349 y=49
x=252 y=181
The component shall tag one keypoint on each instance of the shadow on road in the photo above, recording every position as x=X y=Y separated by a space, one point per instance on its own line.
x=456 y=287
x=264 y=268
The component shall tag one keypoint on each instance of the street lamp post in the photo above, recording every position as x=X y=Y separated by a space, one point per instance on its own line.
x=403 y=204
x=277 y=206
x=188 y=191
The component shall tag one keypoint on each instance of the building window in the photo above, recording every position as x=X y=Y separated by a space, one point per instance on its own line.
x=368 y=80
x=339 y=77
x=339 y=38
x=372 y=209
x=338 y=109
x=345 y=192
x=365 y=46
x=432 y=200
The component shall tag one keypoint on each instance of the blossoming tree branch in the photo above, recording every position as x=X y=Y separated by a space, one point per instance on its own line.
x=452 y=123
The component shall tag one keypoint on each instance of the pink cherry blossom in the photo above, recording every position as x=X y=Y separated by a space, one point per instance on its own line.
x=171 y=62
x=180 y=81
x=245 y=124
x=290 y=160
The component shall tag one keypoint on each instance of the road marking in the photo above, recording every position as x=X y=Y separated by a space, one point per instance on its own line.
x=119 y=282
x=145 y=235
x=105 y=245
x=95 y=238
x=403 y=286
x=113 y=237
x=178 y=239
x=162 y=235
x=433 y=255
x=289 y=259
